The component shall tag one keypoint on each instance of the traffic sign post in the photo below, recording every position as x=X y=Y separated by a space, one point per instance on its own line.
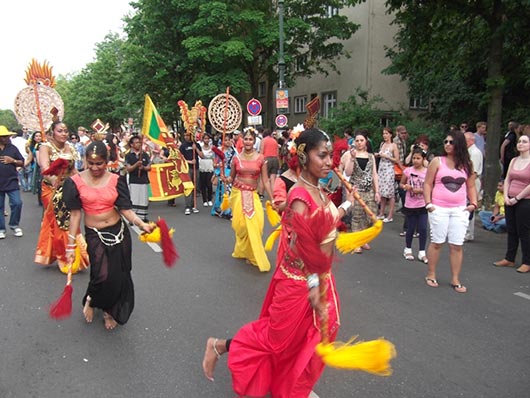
x=254 y=107
x=281 y=121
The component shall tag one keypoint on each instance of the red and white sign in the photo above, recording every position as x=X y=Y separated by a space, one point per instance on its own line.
x=254 y=107
x=281 y=121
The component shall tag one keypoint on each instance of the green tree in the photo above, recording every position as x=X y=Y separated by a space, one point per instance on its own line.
x=8 y=119
x=98 y=90
x=470 y=57
x=194 y=50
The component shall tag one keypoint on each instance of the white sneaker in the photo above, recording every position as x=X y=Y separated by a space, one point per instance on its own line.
x=386 y=220
x=205 y=204
x=187 y=212
x=2 y=235
x=195 y=210
x=210 y=203
x=18 y=232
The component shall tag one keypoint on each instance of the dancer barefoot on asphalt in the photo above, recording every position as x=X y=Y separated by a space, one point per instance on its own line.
x=103 y=197
x=276 y=354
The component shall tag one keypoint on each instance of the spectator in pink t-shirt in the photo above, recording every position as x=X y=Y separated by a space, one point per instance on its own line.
x=449 y=184
x=415 y=211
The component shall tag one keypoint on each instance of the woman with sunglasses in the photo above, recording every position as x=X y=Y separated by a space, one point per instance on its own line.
x=449 y=186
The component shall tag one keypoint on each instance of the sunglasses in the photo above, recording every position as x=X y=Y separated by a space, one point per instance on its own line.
x=448 y=142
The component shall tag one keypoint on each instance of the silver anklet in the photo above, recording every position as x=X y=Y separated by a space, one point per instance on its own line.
x=215 y=349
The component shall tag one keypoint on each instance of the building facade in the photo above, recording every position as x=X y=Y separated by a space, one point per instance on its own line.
x=363 y=70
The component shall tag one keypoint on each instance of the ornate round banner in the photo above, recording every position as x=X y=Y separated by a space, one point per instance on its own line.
x=216 y=113
x=26 y=106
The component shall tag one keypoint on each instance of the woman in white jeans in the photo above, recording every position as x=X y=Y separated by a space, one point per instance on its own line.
x=449 y=187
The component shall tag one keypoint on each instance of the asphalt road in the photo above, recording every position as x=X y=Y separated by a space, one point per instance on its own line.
x=448 y=344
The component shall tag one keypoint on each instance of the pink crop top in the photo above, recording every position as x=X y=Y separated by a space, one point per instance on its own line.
x=248 y=168
x=450 y=189
x=97 y=200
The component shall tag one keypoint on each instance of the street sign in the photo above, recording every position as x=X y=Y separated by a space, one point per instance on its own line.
x=254 y=107
x=282 y=99
x=281 y=121
x=254 y=120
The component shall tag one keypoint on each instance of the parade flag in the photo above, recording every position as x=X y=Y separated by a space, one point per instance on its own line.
x=167 y=180
x=154 y=127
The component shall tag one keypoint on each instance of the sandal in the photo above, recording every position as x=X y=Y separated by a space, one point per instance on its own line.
x=431 y=282
x=459 y=288
x=424 y=259
x=408 y=255
x=359 y=250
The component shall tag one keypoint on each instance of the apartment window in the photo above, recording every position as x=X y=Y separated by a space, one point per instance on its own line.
x=261 y=89
x=331 y=11
x=300 y=103
x=329 y=101
x=420 y=103
x=301 y=63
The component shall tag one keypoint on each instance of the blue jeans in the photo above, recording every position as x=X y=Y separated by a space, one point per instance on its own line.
x=23 y=179
x=485 y=217
x=15 y=204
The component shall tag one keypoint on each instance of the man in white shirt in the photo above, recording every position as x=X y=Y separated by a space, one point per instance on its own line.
x=23 y=173
x=478 y=160
x=480 y=137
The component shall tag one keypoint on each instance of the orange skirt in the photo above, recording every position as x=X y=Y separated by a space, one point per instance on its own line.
x=52 y=242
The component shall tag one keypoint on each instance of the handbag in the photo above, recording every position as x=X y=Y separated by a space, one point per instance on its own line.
x=398 y=172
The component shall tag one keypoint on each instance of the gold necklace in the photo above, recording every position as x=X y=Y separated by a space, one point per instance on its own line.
x=317 y=187
x=248 y=156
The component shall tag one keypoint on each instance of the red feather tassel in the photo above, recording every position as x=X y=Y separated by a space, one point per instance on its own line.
x=169 y=251
x=218 y=152
x=57 y=166
x=62 y=308
x=339 y=146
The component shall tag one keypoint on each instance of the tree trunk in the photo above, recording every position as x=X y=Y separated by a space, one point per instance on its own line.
x=495 y=82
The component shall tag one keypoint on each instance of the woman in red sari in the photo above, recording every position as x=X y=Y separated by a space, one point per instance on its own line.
x=275 y=354
x=53 y=236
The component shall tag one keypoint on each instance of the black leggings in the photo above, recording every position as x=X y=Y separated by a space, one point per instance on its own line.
x=416 y=222
x=205 y=185
x=518 y=228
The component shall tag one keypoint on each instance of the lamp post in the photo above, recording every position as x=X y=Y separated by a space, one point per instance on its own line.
x=281 y=61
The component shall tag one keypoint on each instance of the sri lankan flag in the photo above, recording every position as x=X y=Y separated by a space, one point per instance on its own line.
x=167 y=180
x=154 y=127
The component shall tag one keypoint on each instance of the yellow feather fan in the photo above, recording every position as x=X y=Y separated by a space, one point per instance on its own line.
x=347 y=242
x=269 y=243
x=272 y=215
x=369 y=356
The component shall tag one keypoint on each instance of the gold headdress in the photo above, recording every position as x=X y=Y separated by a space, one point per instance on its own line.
x=313 y=107
x=100 y=130
x=194 y=119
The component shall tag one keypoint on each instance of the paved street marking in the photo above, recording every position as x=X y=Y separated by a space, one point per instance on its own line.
x=523 y=295
x=313 y=395
x=156 y=248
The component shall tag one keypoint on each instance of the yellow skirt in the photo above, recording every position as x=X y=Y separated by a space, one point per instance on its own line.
x=247 y=222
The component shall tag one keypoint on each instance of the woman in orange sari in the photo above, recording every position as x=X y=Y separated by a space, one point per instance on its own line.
x=53 y=236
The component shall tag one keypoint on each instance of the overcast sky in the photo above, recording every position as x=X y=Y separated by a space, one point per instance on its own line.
x=62 y=32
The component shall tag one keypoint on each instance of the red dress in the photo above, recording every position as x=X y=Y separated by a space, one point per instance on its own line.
x=276 y=353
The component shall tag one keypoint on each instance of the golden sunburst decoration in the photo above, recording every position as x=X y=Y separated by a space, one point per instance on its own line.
x=40 y=73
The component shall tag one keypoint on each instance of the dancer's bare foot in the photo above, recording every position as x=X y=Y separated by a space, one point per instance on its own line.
x=88 y=311
x=110 y=323
x=214 y=349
